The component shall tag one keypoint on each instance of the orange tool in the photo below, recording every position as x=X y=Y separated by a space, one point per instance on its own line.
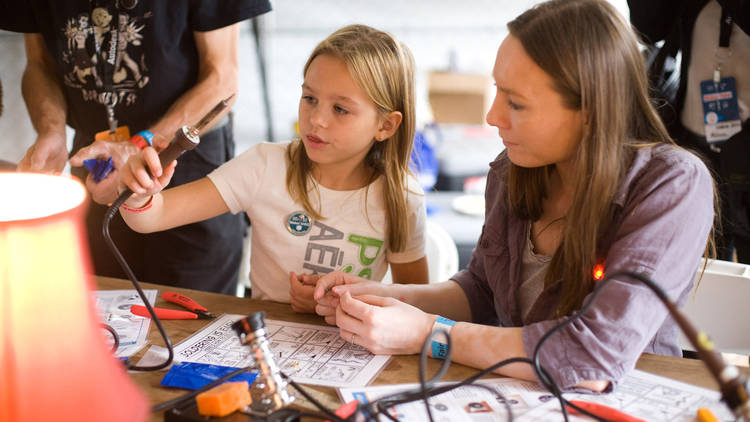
x=606 y=412
x=196 y=311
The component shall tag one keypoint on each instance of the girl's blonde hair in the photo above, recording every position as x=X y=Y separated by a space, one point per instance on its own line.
x=384 y=69
x=592 y=56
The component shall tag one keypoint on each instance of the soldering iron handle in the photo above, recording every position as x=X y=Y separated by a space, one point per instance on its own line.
x=182 y=141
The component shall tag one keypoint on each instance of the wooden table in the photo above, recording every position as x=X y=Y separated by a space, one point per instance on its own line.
x=400 y=369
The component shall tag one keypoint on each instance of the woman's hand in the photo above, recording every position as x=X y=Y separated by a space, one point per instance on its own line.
x=301 y=288
x=134 y=175
x=383 y=325
x=330 y=286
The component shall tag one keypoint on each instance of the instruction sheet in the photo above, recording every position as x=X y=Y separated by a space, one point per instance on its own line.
x=114 y=309
x=640 y=394
x=309 y=354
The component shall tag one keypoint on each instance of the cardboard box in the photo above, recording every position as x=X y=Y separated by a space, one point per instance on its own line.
x=459 y=97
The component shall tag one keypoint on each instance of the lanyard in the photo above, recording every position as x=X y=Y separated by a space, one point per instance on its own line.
x=106 y=66
x=725 y=32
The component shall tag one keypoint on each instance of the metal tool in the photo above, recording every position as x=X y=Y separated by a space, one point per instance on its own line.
x=196 y=311
x=269 y=391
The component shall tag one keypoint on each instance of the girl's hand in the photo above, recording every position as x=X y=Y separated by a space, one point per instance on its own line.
x=332 y=285
x=301 y=289
x=134 y=175
x=383 y=325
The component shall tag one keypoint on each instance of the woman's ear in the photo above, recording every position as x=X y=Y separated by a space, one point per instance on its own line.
x=389 y=125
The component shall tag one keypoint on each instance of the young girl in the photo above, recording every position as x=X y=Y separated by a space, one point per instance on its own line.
x=341 y=197
x=589 y=179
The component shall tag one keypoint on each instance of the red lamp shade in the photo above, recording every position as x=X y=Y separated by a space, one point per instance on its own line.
x=54 y=363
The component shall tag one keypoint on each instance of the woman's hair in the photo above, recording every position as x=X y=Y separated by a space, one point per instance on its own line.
x=591 y=53
x=384 y=69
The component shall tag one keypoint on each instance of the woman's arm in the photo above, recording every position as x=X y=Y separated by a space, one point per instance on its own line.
x=415 y=272
x=385 y=325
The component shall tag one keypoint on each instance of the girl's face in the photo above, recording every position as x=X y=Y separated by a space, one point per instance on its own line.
x=536 y=128
x=338 y=122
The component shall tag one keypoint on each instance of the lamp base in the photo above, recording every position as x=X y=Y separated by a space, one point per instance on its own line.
x=189 y=413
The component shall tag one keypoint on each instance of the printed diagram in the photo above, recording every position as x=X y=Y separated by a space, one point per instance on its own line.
x=310 y=354
x=640 y=394
x=114 y=309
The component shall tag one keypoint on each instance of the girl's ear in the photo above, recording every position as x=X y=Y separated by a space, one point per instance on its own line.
x=389 y=125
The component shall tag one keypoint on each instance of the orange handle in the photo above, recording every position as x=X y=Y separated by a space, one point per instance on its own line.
x=183 y=301
x=606 y=412
x=162 y=313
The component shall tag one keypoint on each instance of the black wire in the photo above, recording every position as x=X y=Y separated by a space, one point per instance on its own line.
x=545 y=377
x=423 y=386
x=169 y=404
x=125 y=267
x=311 y=399
x=115 y=337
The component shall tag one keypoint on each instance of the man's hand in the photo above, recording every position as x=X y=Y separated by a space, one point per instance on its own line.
x=48 y=155
x=106 y=191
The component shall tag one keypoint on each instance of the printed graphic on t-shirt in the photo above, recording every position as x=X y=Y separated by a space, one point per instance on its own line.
x=322 y=254
x=105 y=48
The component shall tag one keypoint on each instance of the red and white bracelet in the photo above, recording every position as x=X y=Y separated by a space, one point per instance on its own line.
x=145 y=206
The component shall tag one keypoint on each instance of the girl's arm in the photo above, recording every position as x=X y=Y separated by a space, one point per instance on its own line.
x=184 y=204
x=415 y=272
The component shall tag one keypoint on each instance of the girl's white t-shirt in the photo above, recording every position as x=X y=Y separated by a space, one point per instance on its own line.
x=285 y=238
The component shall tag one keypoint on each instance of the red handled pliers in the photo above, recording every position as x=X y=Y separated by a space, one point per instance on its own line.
x=197 y=311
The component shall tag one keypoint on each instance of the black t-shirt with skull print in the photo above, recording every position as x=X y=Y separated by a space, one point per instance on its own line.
x=139 y=55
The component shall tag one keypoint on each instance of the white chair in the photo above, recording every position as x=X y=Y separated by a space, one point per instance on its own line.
x=243 y=280
x=720 y=306
x=441 y=252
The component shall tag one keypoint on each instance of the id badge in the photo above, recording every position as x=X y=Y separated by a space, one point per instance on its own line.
x=721 y=113
x=122 y=133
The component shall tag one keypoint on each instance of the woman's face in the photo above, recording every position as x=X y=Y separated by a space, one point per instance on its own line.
x=536 y=128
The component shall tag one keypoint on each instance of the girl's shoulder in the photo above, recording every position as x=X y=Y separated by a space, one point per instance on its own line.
x=267 y=152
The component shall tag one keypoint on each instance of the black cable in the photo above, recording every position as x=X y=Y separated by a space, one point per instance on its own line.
x=169 y=404
x=423 y=386
x=115 y=337
x=125 y=267
x=543 y=376
x=311 y=399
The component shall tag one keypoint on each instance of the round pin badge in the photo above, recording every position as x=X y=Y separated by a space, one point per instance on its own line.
x=298 y=223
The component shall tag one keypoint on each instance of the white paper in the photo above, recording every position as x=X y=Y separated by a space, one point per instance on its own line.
x=309 y=354
x=640 y=394
x=155 y=355
x=114 y=310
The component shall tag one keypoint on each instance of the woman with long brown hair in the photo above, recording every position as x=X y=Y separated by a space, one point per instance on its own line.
x=589 y=184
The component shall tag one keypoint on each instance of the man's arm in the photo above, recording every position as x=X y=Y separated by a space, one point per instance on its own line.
x=217 y=80
x=42 y=92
